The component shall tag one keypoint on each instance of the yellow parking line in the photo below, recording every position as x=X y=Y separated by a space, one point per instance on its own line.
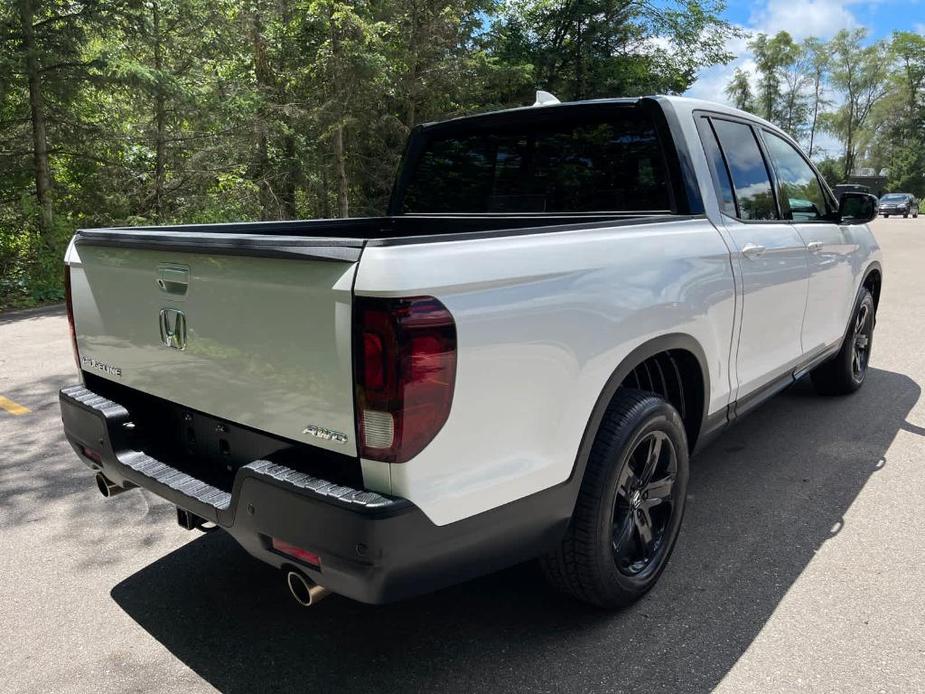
x=13 y=408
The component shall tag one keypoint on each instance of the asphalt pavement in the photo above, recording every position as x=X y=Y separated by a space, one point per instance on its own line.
x=801 y=563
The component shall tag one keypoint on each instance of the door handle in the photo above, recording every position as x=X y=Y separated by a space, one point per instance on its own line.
x=752 y=250
x=172 y=279
x=814 y=246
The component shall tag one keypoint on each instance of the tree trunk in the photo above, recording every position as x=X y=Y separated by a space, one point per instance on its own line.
x=343 y=200
x=291 y=173
x=261 y=167
x=812 y=127
x=579 y=62
x=41 y=169
x=340 y=163
x=412 y=82
x=291 y=178
x=160 y=153
x=849 y=142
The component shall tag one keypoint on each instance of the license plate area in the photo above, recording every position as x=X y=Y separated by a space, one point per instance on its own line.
x=212 y=449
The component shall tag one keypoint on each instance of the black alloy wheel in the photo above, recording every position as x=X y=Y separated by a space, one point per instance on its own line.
x=863 y=334
x=629 y=510
x=845 y=372
x=645 y=504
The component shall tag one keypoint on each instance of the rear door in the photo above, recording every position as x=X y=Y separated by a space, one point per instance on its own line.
x=831 y=277
x=770 y=254
x=260 y=341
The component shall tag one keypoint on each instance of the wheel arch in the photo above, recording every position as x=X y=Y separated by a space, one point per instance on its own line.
x=677 y=343
x=873 y=280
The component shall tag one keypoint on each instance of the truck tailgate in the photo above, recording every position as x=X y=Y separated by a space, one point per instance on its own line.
x=260 y=341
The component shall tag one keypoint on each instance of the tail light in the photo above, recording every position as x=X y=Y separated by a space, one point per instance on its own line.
x=70 y=312
x=404 y=355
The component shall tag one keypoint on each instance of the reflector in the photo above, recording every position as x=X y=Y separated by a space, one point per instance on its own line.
x=303 y=555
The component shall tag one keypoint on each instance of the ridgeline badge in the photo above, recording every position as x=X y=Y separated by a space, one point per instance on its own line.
x=91 y=363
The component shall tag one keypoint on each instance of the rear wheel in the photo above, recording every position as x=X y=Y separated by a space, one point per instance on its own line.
x=845 y=373
x=630 y=506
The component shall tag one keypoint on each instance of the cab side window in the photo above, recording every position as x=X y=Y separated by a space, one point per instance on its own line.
x=801 y=196
x=750 y=177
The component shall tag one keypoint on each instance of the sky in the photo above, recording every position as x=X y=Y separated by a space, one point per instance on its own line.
x=803 y=18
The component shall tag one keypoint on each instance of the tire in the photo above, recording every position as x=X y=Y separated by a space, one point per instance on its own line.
x=886 y=216
x=906 y=216
x=846 y=371
x=608 y=558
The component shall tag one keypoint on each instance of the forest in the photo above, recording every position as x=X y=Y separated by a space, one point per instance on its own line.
x=181 y=111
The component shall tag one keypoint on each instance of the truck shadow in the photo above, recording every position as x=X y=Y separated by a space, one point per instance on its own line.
x=763 y=500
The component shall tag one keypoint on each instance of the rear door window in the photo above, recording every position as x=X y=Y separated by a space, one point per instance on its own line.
x=750 y=178
x=717 y=167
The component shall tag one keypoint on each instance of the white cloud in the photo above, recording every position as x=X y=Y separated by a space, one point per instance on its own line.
x=711 y=83
x=820 y=18
x=804 y=18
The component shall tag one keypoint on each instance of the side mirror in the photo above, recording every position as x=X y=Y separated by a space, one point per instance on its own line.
x=857 y=208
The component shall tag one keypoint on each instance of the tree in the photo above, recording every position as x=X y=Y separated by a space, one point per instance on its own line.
x=776 y=59
x=43 y=42
x=598 y=48
x=816 y=63
x=832 y=170
x=898 y=141
x=908 y=51
x=172 y=111
x=859 y=74
x=795 y=107
x=739 y=90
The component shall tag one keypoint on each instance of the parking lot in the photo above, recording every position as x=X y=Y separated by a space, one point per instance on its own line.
x=801 y=564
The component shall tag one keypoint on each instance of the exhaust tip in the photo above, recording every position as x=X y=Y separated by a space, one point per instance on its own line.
x=107 y=487
x=305 y=591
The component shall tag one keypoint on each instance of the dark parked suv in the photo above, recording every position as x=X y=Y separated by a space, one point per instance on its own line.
x=899 y=203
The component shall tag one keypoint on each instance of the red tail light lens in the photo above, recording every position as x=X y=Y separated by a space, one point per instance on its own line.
x=405 y=371
x=70 y=313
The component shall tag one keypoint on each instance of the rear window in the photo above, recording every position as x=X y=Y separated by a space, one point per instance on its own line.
x=611 y=162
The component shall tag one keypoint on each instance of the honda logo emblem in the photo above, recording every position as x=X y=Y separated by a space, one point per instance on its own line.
x=173 y=328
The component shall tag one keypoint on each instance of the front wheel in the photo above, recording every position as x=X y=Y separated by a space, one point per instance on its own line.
x=845 y=372
x=630 y=506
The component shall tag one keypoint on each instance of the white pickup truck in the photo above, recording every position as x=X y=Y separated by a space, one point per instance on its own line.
x=562 y=304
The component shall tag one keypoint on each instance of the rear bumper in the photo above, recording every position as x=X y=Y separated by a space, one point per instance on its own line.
x=373 y=548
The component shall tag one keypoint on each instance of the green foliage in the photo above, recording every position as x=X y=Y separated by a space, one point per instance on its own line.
x=175 y=111
x=773 y=56
x=869 y=95
x=832 y=170
x=739 y=91
x=582 y=49
x=907 y=169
